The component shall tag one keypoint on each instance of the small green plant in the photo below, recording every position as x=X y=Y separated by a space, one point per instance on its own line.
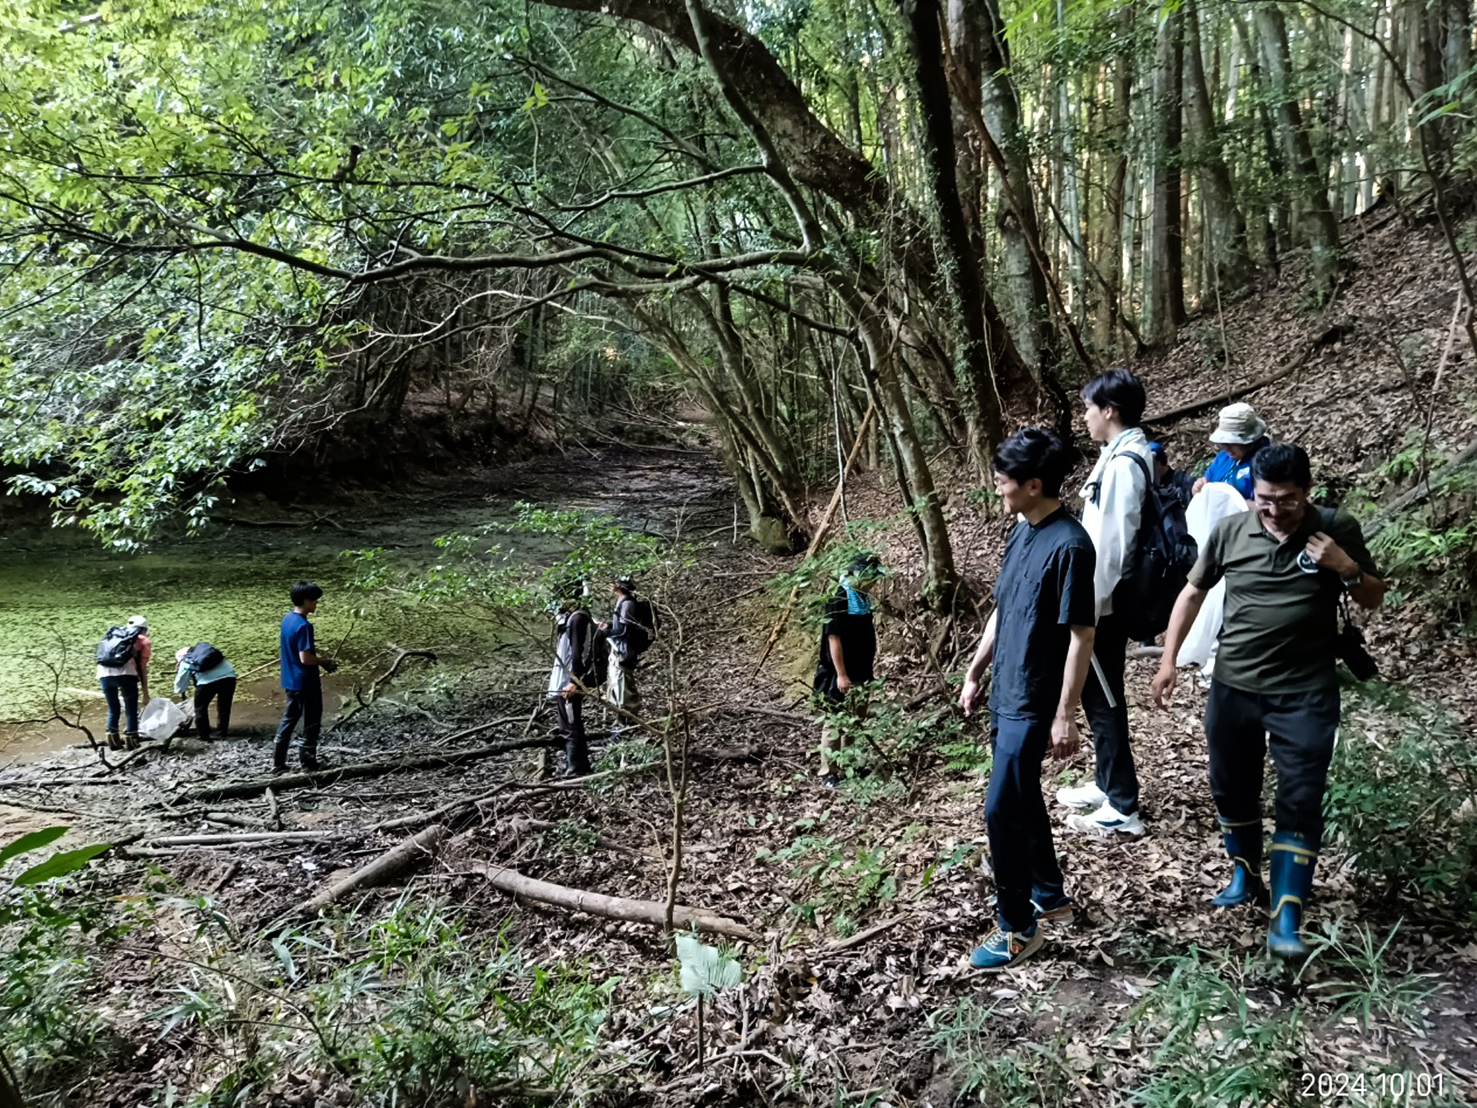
x=706 y=971
x=408 y=1008
x=1352 y=970
x=49 y=1039
x=990 y=1065
x=1208 y=1044
x=848 y=878
x=1398 y=800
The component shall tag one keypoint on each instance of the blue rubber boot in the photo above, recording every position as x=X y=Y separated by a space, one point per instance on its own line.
x=1292 y=883
x=1243 y=842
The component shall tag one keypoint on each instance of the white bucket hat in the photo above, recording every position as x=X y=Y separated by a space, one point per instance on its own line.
x=141 y=622
x=1239 y=423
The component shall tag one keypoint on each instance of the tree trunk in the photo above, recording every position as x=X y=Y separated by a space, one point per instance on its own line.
x=1116 y=178
x=963 y=287
x=1225 y=227
x=1025 y=305
x=1322 y=229
x=1164 y=294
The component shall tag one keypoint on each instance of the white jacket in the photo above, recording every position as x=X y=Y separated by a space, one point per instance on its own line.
x=1112 y=508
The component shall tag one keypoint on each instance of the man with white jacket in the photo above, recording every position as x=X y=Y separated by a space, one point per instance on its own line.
x=1113 y=506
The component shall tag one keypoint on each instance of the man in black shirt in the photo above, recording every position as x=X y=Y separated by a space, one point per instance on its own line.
x=1039 y=639
x=848 y=650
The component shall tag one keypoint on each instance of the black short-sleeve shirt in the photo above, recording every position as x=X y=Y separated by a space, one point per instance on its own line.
x=1044 y=589
x=1280 y=627
x=858 y=637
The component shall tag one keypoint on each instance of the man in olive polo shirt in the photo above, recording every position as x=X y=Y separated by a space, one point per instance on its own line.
x=1285 y=566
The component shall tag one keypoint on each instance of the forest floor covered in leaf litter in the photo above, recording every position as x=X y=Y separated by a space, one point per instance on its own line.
x=868 y=898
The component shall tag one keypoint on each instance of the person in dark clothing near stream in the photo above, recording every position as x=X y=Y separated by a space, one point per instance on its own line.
x=576 y=668
x=301 y=668
x=1286 y=566
x=1039 y=641
x=628 y=637
x=848 y=652
x=214 y=679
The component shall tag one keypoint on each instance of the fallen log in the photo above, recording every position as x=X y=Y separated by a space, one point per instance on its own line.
x=653 y=913
x=388 y=865
x=246 y=837
x=357 y=770
x=1381 y=519
x=1226 y=396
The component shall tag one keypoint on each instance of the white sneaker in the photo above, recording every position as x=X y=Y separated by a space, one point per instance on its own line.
x=1106 y=821
x=1082 y=796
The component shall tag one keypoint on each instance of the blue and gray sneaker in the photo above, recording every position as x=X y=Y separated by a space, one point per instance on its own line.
x=1006 y=948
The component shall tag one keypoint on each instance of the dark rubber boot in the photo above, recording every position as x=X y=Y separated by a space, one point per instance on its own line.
x=1243 y=843
x=576 y=759
x=1292 y=883
x=130 y=740
x=114 y=742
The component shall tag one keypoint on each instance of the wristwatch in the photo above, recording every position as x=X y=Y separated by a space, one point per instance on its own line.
x=1355 y=581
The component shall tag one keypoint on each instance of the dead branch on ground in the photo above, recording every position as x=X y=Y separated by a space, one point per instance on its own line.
x=653 y=913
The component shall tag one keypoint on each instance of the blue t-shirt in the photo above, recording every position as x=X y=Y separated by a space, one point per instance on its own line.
x=297 y=635
x=1044 y=589
x=1227 y=470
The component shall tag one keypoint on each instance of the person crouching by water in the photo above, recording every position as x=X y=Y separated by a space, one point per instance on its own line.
x=123 y=672
x=1039 y=641
x=576 y=668
x=214 y=678
x=848 y=651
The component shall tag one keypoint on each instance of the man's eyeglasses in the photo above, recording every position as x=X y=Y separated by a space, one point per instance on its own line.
x=1277 y=503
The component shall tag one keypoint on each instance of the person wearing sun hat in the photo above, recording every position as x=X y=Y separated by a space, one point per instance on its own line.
x=1240 y=432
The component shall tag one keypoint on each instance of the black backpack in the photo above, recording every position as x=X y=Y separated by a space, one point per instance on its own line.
x=590 y=666
x=202 y=656
x=1162 y=559
x=118 y=646
x=642 y=627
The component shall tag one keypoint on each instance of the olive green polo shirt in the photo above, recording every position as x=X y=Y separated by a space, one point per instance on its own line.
x=1281 y=617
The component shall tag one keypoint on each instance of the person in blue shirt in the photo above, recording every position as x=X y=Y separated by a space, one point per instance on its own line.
x=301 y=668
x=1038 y=642
x=1241 y=433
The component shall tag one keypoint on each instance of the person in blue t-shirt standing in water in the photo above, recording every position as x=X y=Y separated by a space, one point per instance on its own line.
x=1039 y=641
x=301 y=666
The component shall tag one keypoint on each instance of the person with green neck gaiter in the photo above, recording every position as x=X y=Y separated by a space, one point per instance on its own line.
x=848 y=651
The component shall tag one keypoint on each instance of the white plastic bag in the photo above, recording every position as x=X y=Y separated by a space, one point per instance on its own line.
x=1214 y=503
x=161 y=718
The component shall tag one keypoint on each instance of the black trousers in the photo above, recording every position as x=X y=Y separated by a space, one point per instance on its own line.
x=1112 y=755
x=570 y=712
x=1301 y=727
x=222 y=692
x=306 y=705
x=1021 y=850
